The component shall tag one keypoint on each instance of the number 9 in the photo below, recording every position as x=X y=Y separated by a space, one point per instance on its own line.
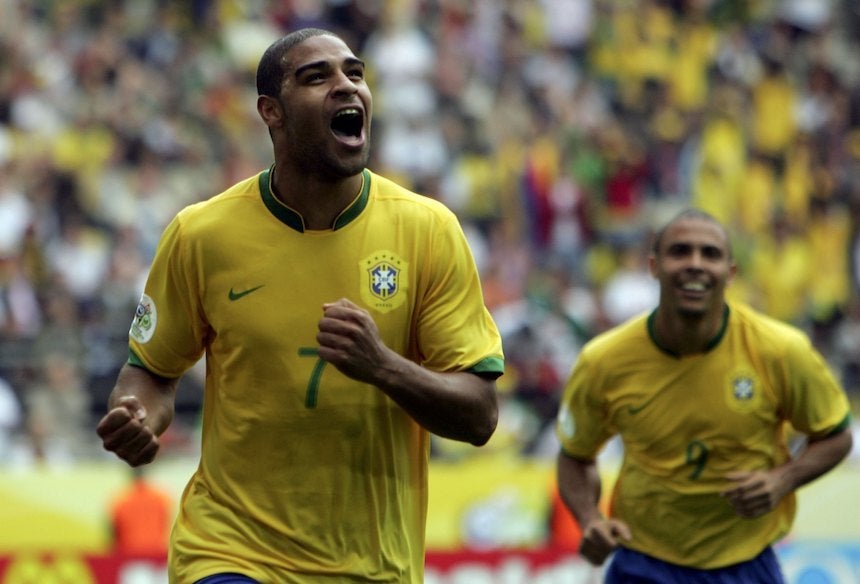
x=697 y=456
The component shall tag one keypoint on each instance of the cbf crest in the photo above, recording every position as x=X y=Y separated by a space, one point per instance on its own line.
x=743 y=392
x=384 y=280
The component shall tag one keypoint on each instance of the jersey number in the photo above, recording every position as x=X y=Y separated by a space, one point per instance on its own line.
x=316 y=375
x=697 y=456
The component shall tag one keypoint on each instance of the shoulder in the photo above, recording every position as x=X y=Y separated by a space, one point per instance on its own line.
x=744 y=316
x=623 y=339
x=768 y=333
x=388 y=193
x=229 y=205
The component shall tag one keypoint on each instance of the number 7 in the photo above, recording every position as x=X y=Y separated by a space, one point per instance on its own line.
x=316 y=374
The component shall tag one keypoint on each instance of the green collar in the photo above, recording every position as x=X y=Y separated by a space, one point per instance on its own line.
x=294 y=220
x=711 y=344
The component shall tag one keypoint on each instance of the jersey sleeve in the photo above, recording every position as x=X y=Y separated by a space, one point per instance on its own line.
x=581 y=425
x=815 y=402
x=168 y=331
x=455 y=330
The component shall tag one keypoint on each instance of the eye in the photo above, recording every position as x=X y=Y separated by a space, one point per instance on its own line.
x=713 y=253
x=678 y=250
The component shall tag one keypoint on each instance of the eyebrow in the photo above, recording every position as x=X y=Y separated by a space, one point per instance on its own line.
x=687 y=245
x=349 y=62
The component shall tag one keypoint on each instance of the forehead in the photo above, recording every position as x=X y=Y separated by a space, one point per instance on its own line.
x=318 y=48
x=695 y=231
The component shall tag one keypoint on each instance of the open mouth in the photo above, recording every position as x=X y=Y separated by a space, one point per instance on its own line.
x=348 y=124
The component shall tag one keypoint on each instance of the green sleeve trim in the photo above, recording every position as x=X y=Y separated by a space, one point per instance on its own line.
x=841 y=427
x=582 y=459
x=133 y=359
x=492 y=367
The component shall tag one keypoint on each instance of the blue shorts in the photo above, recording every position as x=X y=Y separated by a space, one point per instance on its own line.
x=629 y=567
x=227 y=579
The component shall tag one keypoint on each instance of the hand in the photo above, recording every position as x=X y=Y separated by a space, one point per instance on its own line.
x=123 y=432
x=754 y=493
x=600 y=537
x=349 y=339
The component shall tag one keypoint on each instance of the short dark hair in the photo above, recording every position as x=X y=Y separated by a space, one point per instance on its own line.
x=270 y=71
x=689 y=213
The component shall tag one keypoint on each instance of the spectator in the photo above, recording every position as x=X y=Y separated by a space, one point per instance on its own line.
x=58 y=412
x=10 y=418
x=140 y=516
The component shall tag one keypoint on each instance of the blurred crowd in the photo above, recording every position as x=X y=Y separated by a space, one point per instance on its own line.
x=560 y=131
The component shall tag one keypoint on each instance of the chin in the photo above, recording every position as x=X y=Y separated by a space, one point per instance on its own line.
x=354 y=163
x=348 y=171
x=339 y=169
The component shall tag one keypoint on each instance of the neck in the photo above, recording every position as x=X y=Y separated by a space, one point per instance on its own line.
x=686 y=335
x=319 y=202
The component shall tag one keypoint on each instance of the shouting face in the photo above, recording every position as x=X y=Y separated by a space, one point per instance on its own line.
x=320 y=120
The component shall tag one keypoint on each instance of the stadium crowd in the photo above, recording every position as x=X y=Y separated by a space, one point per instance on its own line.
x=559 y=131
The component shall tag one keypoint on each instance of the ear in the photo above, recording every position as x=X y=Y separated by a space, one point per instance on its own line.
x=733 y=270
x=652 y=264
x=270 y=111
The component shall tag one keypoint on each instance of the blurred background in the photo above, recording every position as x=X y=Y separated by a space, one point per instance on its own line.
x=561 y=132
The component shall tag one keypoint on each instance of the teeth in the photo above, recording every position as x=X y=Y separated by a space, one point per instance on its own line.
x=350 y=111
x=694 y=286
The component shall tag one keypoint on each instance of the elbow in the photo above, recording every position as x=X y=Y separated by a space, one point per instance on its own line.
x=847 y=443
x=484 y=431
x=835 y=447
x=488 y=418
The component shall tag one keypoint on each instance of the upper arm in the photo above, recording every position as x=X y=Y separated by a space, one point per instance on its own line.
x=455 y=331
x=815 y=402
x=581 y=425
x=168 y=331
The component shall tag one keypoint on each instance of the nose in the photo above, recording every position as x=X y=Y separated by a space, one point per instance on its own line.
x=344 y=84
x=696 y=260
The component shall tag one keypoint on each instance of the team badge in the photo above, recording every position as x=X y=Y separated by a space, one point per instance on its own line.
x=145 y=319
x=743 y=393
x=384 y=280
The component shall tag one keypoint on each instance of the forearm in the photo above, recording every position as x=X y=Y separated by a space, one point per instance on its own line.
x=458 y=405
x=155 y=394
x=579 y=486
x=819 y=457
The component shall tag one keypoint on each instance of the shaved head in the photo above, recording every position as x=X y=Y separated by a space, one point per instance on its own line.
x=684 y=215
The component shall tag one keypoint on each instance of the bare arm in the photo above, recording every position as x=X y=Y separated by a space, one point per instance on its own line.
x=579 y=487
x=758 y=492
x=140 y=408
x=461 y=406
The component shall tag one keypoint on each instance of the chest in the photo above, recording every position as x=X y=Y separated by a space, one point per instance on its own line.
x=272 y=286
x=724 y=396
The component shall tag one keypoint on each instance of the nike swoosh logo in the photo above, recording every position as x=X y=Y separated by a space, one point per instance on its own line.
x=237 y=295
x=633 y=410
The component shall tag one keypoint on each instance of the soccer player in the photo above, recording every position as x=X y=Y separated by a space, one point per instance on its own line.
x=342 y=321
x=700 y=392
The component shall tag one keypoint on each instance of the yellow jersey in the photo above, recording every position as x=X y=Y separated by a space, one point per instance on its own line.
x=305 y=474
x=687 y=421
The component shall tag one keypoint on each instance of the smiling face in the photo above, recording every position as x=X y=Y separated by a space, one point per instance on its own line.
x=320 y=120
x=693 y=264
